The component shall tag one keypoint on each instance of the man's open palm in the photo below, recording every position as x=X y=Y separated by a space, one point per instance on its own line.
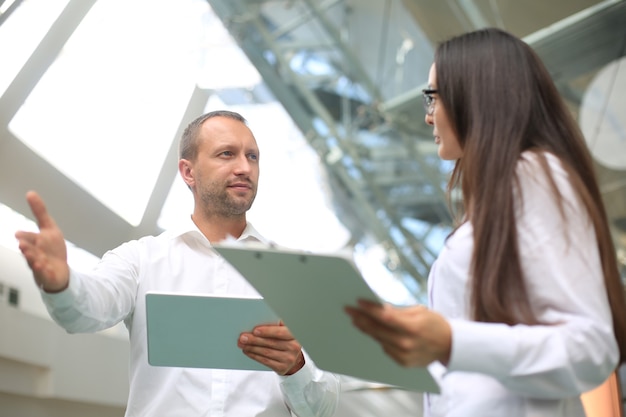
x=45 y=252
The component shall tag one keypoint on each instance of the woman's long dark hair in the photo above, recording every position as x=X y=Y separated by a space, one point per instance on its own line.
x=502 y=101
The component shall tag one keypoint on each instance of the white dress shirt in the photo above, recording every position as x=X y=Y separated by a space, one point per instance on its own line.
x=521 y=370
x=182 y=261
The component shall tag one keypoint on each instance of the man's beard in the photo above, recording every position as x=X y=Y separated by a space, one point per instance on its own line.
x=219 y=201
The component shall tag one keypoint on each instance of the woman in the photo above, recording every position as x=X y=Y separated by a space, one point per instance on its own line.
x=527 y=308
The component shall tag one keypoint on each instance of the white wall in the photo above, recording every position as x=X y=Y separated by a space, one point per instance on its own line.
x=46 y=372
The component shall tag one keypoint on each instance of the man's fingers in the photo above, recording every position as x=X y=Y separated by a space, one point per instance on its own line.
x=39 y=210
x=25 y=238
x=273 y=331
x=265 y=338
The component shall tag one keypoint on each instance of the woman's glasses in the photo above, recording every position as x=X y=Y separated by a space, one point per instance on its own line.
x=429 y=100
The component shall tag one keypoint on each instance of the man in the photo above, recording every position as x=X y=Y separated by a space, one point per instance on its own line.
x=219 y=162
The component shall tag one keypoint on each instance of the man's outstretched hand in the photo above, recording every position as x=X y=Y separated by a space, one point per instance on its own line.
x=45 y=252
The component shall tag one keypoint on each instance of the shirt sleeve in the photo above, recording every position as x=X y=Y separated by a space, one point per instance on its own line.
x=574 y=349
x=311 y=392
x=99 y=299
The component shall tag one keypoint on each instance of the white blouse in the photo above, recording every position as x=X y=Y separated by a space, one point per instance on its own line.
x=523 y=371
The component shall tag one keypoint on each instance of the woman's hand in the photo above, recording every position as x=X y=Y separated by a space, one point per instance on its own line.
x=412 y=336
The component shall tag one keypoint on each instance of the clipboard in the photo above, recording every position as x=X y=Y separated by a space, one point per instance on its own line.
x=308 y=291
x=201 y=331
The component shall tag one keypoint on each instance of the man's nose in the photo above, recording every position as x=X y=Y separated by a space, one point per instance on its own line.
x=242 y=165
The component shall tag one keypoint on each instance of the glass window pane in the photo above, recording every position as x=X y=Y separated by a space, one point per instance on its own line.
x=107 y=110
x=21 y=33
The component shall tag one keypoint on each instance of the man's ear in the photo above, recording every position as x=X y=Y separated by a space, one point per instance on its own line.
x=186 y=171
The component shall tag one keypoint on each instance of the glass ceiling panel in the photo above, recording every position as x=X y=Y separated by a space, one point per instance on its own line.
x=106 y=111
x=223 y=63
x=113 y=99
x=21 y=33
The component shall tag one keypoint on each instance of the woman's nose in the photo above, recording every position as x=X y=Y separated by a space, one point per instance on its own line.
x=428 y=119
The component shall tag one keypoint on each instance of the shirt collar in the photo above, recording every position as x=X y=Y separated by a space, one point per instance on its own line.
x=189 y=227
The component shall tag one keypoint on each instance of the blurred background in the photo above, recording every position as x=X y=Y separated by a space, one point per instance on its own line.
x=94 y=96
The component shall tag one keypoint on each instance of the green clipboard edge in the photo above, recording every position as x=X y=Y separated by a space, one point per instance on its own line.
x=201 y=331
x=308 y=291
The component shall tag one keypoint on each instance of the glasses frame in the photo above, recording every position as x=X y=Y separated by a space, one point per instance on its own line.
x=429 y=100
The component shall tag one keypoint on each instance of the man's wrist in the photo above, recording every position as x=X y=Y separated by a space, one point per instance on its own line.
x=299 y=364
x=54 y=290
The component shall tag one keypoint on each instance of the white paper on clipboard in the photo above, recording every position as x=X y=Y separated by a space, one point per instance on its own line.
x=309 y=292
x=201 y=331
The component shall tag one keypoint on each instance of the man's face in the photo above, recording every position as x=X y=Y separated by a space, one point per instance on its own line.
x=226 y=170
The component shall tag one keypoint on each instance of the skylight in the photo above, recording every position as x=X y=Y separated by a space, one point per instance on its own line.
x=117 y=96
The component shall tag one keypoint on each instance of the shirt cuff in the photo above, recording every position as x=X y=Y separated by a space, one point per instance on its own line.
x=65 y=298
x=487 y=348
x=302 y=377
